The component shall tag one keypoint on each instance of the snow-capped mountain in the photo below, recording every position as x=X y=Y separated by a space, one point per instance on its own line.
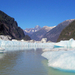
x=29 y=31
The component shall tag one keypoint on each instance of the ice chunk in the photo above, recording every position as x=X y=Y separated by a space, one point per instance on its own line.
x=64 y=60
x=67 y=43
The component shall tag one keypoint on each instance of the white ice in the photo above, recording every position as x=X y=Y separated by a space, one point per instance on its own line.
x=19 y=45
x=66 y=43
x=64 y=60
x=63 y=57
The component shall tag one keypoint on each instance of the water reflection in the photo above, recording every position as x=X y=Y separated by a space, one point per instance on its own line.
x=8 y=62
x=2 y=55
x=22 y=62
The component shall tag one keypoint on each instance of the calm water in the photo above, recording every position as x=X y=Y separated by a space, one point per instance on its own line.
x=26 y=62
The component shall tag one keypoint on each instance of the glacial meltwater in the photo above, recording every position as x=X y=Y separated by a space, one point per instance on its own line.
x=26 y=62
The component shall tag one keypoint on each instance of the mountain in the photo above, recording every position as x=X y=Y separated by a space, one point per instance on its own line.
x=40 y=33
x=53 y=34
x=8 y=26
x=29 y=31
x=68 y=32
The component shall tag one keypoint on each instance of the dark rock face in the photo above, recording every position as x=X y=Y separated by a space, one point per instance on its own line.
x=8 y=26
x=53 y=34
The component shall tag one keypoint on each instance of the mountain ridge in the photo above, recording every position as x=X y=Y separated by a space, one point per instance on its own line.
x=40 y=33
x=68 y=32
x=53 y=34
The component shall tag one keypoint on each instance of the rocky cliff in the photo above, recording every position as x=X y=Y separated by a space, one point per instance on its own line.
x=8 y=26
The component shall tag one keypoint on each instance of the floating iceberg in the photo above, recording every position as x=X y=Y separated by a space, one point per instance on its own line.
x=66 y=43
x=62 y=56
x=63 y=60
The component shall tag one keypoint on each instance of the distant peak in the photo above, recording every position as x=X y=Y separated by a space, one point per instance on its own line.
x=49 y=27
x=45 y=26
x=70 y=19
x=37 y=26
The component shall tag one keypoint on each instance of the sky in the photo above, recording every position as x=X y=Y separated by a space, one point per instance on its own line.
x=29 y=13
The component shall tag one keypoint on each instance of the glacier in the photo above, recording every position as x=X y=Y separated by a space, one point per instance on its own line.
x=19 y=45
x=15 y=43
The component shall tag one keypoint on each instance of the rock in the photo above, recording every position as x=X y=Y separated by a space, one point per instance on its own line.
x=8 y=26
x=4 y=37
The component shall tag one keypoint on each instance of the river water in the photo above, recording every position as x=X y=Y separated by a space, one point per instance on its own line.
x=26 y=62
